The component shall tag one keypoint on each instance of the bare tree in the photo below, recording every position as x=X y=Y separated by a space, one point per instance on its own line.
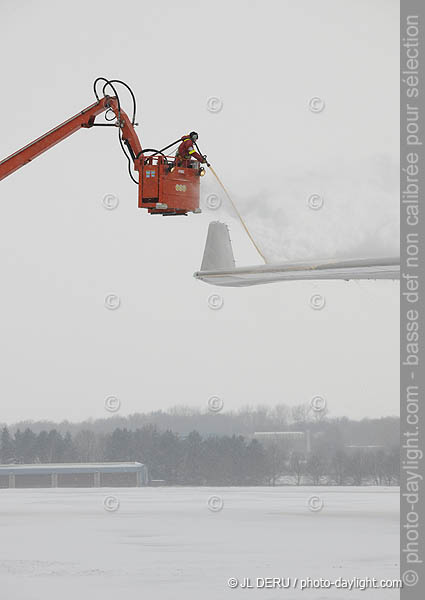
x=316 y=468
x=391 y=466
x=299 y=414
x=297 y=466
x=358 y=467
x=85 y=446
x=276 y=461
x=339 y=464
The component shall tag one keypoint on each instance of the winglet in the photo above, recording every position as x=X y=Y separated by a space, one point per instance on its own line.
x=218 y=252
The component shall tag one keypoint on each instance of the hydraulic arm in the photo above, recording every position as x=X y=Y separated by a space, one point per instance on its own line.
x=162 y=189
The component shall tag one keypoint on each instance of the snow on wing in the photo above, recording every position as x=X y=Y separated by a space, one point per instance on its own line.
x=218 y=266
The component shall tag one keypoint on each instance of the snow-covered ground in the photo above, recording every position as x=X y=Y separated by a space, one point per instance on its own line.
x=166 y=543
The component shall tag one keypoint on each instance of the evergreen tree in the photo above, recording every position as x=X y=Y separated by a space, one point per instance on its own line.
x=169 y=456
x=119 y=446
x=42 y=447
x=7 y=447
x=25 y=444
x=69 y=451
x=145 y=446
x=191 y=469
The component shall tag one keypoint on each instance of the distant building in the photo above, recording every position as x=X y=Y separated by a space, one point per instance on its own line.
x=68 y=475
x=354 y=448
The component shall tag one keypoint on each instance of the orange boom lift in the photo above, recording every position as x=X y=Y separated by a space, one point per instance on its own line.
x=164 y=189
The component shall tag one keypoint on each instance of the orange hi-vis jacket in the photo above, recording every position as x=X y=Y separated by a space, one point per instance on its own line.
x=186 y=150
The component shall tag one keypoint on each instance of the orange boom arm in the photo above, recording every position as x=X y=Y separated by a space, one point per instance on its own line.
x=162 y=190
x=84 y=119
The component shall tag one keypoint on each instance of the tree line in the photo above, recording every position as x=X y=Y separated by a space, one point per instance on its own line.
x=193 y=459
x=183 y=420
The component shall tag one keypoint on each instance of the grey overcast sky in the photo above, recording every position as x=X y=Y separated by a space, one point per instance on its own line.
x=61 y=252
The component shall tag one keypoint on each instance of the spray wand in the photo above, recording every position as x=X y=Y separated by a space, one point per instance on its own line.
x=233 y=204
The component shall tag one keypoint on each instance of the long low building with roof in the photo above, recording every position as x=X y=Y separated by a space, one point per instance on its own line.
x=66 y=475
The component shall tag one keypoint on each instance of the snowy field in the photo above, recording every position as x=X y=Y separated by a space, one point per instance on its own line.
x=166 y=544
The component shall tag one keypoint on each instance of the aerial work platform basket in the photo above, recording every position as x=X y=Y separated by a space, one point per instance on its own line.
x=167 y=187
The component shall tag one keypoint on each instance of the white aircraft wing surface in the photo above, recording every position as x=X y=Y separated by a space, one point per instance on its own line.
x=218 y=266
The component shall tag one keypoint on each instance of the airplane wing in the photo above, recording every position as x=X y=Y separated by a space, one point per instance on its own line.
x=218 y=266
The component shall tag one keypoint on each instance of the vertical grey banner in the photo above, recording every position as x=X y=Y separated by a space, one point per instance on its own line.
x=412 y=299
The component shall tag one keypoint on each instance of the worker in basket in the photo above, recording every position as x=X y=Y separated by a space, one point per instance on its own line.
x=186 y=150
